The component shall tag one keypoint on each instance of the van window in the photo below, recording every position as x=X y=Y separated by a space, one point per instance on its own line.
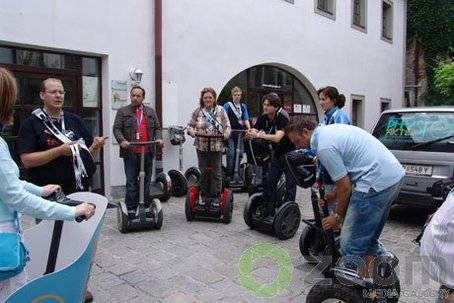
x=418 y=131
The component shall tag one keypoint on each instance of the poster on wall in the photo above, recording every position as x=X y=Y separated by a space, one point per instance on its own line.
x=119 y=94
x=90 y=91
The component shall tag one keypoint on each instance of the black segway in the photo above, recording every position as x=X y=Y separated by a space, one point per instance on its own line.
x=240 y=182
x=344 y=283
x=181 y=181
x=145 y=218
x=287 y=217
x=211 y=205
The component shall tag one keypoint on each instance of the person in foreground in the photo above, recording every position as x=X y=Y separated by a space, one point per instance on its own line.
x=437 y=253
x=21 y=196
x=367 y=177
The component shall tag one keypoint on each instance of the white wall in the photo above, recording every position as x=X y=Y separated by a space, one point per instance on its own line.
x=209 y=41
x=206 y=42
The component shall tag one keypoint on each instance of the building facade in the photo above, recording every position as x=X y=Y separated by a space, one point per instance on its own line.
x=291 y=47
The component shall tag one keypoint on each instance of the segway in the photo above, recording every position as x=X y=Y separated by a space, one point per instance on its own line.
x=209 y=205
x=180 y=181
x=287 y=217
x=239 y=181
x=60 y=258
x=258 y=153
x=145 y=218
x=346 y=284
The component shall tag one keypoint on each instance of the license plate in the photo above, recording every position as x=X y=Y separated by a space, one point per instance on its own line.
x=417 y=170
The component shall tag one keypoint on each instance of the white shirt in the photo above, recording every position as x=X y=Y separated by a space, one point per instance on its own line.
x=437 y=244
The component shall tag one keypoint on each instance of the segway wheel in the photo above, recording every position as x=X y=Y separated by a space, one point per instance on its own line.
x=122 y=220
x=336 y=292
x=179 y=183
x=311 y=244
x=193 y=175
x=166 y=182
x=287 y=220
x=156 y=208
x=251 y=206
x=227 y=206
x=191 y=198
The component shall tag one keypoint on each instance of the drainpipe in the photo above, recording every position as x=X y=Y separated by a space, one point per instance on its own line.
x=158 y=73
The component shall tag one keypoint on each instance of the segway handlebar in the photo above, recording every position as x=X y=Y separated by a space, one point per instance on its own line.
x=209 y=136
x=60 y=197
x=144 y=143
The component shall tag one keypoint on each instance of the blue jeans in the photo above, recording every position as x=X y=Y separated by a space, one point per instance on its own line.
x=363 y=224
x=277 y=167
x=230 y=155
x=132 y=169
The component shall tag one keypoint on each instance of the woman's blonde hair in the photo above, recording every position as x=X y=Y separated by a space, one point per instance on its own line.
x=208 y=90
x=8 y=93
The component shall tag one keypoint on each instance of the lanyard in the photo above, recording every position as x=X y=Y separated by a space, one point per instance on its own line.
x=273 y=124
x=62 y=119
x=139 y=122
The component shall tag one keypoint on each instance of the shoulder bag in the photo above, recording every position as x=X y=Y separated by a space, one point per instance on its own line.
x=14 y=253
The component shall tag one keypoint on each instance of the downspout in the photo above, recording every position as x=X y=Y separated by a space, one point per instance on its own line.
x=158 y=73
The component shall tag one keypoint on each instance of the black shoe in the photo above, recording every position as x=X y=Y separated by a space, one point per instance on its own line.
x=88 y=297
x=269 y=219
x=131 y=214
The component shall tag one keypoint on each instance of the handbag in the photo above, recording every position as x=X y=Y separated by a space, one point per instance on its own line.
x=14 y=253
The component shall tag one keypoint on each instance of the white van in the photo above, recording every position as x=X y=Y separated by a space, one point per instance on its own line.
x=422 y=139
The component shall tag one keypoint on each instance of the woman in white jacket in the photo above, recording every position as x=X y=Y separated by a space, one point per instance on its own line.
x=21 y=196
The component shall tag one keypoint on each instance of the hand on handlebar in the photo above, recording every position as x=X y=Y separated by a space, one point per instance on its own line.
x=124 y=144
x=330 y=222
x=85 y=211
x=49 y=189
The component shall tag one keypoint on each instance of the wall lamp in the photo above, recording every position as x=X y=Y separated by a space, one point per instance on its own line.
x=136 y=76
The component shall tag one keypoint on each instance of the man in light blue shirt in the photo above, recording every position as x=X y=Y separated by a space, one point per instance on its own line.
x=367 y=177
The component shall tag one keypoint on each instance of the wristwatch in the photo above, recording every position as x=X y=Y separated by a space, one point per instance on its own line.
x=339 y=219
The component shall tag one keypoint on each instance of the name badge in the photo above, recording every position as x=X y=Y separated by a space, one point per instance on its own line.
x=137 y=136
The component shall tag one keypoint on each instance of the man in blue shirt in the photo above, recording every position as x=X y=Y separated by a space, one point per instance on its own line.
x=239 y=120
x=367 y=178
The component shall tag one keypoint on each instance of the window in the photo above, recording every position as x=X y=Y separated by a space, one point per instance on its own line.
x=359 y=14
x=384 y=104
x=387 y=21
x=326 y=8
x=357 y=111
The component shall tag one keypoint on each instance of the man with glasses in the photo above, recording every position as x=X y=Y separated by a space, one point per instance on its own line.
x=48 y=159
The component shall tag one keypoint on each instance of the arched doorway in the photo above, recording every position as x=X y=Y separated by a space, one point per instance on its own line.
x=260 y=80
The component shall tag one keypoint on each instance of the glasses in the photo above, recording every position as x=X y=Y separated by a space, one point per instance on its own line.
x=54 y=92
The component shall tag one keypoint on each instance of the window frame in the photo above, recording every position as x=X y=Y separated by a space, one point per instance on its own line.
x=362 y=26
x=325 y=11
x=357 y=112
x=387 y=21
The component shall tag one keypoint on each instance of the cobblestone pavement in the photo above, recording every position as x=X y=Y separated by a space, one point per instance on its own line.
x=198 y=261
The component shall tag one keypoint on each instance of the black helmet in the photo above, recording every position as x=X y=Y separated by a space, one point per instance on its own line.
x=302 y=167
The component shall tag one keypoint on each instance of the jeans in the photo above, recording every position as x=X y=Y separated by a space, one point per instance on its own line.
x=277 y=167
x=366 y=216
x=231 y=153
x=132 y=169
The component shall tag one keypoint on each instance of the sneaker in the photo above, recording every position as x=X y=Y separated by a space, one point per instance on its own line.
x=131 y=214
